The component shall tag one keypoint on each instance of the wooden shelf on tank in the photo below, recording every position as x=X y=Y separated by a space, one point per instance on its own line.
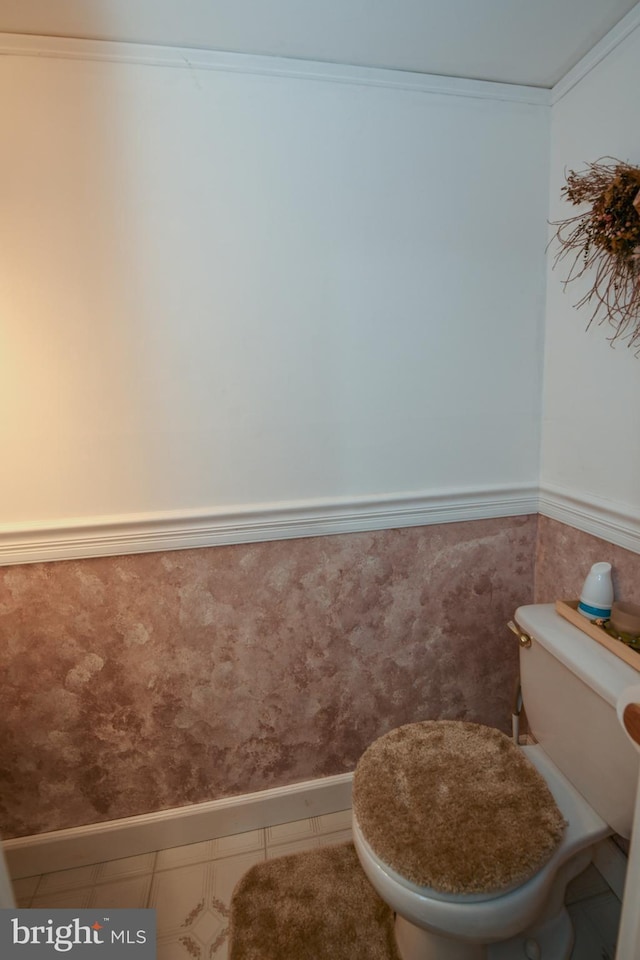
x=569 y=610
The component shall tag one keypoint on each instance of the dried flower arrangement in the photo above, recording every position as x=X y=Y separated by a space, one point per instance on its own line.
x=607 y=239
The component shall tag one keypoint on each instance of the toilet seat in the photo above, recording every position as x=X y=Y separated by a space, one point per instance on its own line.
x=500 y=916
x=455 y=807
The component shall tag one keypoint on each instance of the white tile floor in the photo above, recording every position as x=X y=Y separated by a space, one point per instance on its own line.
x=191 y=888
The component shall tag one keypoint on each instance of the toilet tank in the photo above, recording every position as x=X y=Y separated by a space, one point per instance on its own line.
x=570 y=686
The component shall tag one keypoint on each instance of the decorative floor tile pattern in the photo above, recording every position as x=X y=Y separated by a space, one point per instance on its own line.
x=191 y=887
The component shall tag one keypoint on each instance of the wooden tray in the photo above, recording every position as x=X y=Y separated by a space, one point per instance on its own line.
x=569 y=610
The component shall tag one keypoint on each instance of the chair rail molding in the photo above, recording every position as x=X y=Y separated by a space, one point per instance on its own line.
x=79 y=538
x=75 y=539
x=611 y=521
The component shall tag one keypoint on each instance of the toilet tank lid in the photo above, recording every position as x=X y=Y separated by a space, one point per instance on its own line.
x=596 y=666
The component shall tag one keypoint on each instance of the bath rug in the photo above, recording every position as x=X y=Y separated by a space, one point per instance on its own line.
x=316 y=905
x=456 y=807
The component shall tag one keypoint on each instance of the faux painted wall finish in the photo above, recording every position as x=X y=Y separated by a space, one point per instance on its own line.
x=138 y=683
x=565 y=555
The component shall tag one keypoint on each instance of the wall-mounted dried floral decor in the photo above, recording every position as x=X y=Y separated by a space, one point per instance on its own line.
x=605 y=239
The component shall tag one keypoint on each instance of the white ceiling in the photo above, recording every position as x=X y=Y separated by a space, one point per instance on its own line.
x=512 y=41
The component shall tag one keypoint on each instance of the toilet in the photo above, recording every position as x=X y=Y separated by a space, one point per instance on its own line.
x=472 y=840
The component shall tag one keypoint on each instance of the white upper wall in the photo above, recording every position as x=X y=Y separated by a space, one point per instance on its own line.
x=591 y=428
x=224 y=288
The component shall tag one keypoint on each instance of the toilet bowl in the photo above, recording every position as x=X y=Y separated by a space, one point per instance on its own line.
x=516 y=916
x=570 y=687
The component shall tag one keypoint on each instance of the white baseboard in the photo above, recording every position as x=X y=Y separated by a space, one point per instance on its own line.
x=97 y=842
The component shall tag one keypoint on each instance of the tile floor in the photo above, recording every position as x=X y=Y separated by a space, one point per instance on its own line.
x=191 y=888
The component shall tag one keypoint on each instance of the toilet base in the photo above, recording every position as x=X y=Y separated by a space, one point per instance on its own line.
x=551 y=940
x=415 y=943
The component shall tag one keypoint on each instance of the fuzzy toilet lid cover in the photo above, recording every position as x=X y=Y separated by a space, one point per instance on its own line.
x=456 y=807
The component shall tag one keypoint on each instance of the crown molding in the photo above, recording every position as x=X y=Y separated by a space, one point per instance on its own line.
x=37 y=542
x=601 y=518
x=189 y=58
x=597 y=54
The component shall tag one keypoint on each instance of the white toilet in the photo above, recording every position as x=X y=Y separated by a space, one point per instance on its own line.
x=570 y=686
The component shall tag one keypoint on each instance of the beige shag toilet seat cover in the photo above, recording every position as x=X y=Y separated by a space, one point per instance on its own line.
x=456 y=807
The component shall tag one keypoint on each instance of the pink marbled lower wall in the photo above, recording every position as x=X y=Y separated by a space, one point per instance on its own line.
x=136 y=683
x=564 y=558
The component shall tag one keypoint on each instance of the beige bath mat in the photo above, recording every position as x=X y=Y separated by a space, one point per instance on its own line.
x=316 y=905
